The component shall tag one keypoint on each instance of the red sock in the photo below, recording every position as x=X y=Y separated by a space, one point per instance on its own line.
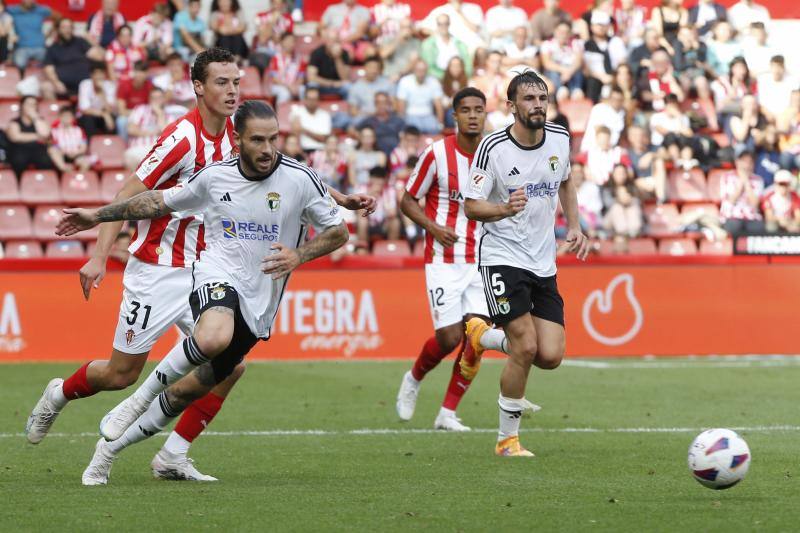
x=76 y=386
x=198 y=416
x=428 y=358
x=457 y=388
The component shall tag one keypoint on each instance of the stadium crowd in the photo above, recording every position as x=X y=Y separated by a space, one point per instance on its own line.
x=685 y=122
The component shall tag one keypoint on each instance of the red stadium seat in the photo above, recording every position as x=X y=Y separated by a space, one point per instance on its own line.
x=64 y=249
x=398 y=248
x=23 y=250
x=714 y=179
x=283 y=111
x=677 y=246
x=110 y=184
x=710 y=209
x=9 y=187
x=15 y=222
x=250 y=84
x=662 y=220
x=307 y=44
x=642 y=246
x=577 y=112
x=9 y=77
x=80 y=188
x=335 y=106
x=39 y=187
x=45 y=218
x=687 y=185
x=419 y=248
x=724 y=247
x=109 y=149
x=8 y=112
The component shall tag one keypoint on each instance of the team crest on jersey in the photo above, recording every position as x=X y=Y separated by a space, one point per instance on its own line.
x=217 y=293
x=503 y=306
x=553 y=161
x=129 y=336
x=273 y=201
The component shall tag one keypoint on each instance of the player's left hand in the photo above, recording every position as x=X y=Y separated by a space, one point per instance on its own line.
x=281 y=263
x=76 y=219
x=577 y=242
x=357 y=201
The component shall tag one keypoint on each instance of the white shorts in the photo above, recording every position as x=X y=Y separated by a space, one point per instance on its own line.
x=155 y=298
x=454 y=290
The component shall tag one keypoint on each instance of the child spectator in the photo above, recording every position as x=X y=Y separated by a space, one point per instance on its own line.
x=623 y=218
x=96 y=102
x=781 y=205
x=330 y=164
x=121 y=54
x=741 y=192
x=69 y=149
x=365 y=157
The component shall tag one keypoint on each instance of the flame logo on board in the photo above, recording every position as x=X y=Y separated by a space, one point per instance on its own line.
x=603 y=300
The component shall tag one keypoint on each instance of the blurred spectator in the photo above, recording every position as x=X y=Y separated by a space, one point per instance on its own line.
x=500 y=117
x=519 y=51
x=364 y=158
x=419 y=99
x=153 y=33
x=768 y=155
x=7 y=34
x=581 y=25
x=405 y=151
x=722 y=48
x=178 y=88
x=388 y=17
x=119 y=250
x=330 y=164
x=781 y=205
x=131 y=92
x=746 y=128
x=455 y=79
x=691 y=62
x=590 y=201
x=554 y=113
x=28 y=17
x=28 y=135
x=741 y=191
x=757 y=52
x=631 y=23
x=386 y=124
x=545 y=19
x=623 y=219
x=271 y=25
x=600 y=159
x=648 y=168
x=69 y=148
x=293 y=148
x=705 y=14
x=361 y=96
x=626 y=83
x=657 y=82
x=189 y=29
x=350 y=21
x=466 y=22
x=610 y=113
x=66 y=61
x=743 y=13
x=121 y=55
x=492 y=81
x=287 y=70
x=145 y=124
x=667 y=19
x=789 y=127
x=384 y=223
x=640 y=57
x=310 y=122
x=329 y=66
x=229 y=25
x=729 y=89
x=597 y=56
x=562 y=60
x=501 y=21
x=438 y=49
x=775 y=89
x=103 y=25
x=671 y=130
x=96 y=99
x=400 y=51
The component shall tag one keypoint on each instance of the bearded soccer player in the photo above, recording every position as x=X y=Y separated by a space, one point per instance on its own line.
x=257 y=209
x=518 y=176
x=455 y=289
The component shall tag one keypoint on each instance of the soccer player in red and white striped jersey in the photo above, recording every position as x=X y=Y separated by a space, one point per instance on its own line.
x=455 y=289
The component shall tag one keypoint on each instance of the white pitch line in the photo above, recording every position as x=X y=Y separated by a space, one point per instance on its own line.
x=409 y=431
x=692 y=362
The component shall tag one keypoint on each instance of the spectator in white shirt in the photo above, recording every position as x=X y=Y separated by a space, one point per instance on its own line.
x=562 y=60
x=775 y=89
x=145 y=124
x=312 y=123
x=96 y=99
x=672 y=130
x=743 y=13
x=610 y=113
x=590 y=202
x=520 y=52
x=153 y=32
x=501 y=21
x=175 y=82
x=466 y=22
x=419 y=99
x=757 y=52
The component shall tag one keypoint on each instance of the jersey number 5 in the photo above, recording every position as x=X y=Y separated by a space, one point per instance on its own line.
x=498 y=286
x=134 y=316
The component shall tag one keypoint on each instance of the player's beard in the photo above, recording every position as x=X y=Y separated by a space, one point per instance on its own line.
x=254 y=165
x=532 y=122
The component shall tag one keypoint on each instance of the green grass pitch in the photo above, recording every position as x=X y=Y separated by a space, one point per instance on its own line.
x=596 y=469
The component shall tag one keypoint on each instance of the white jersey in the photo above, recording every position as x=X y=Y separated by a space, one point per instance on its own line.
x=243 y=218
x=501 y=165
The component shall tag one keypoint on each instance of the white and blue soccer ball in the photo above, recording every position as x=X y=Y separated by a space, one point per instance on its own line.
x=719 y=458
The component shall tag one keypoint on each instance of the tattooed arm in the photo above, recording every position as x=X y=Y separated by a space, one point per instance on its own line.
x=148 y=204
x=286 y=259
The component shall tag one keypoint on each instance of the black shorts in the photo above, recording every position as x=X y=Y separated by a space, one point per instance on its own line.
x=511 y=292
x=223 y=295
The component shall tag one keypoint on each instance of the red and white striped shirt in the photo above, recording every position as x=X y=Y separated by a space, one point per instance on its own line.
x=439 y=177
x=388 y=18
x=283 y=23
x=121 y=59
x=183 y=148
x=69 y=138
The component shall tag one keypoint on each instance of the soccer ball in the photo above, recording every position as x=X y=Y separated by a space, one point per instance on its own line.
x=719 y=458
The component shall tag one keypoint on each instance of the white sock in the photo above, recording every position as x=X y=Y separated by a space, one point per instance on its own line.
x=177 y=445
x=181 y=359
x=410 y=377
x=495 y=339
x=158 y=416
x=58 y=398
x=444 y=411
x=510 y=416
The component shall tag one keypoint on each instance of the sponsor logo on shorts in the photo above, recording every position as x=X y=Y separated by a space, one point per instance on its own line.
x=250 y=231
x=273 y=201
x=503 y=305
x=129 y=336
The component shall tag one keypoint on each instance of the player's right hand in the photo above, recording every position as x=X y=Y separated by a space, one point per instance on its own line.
x=92 y=273
x=445 y=236
x=76 y=219
x=516 y=202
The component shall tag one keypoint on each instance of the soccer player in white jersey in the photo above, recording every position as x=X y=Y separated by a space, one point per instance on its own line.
x=518 y=176
x=454 y=285
x=257 y=208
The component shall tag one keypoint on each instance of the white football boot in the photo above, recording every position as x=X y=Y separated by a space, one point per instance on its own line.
x=116 y=421
x=100 y=466
x=167 y=465
x=44 y=413
x=407 y=396
x=449 y=422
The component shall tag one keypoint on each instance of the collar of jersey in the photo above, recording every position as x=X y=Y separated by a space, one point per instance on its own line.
x=263 y=176
x=522 y=146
